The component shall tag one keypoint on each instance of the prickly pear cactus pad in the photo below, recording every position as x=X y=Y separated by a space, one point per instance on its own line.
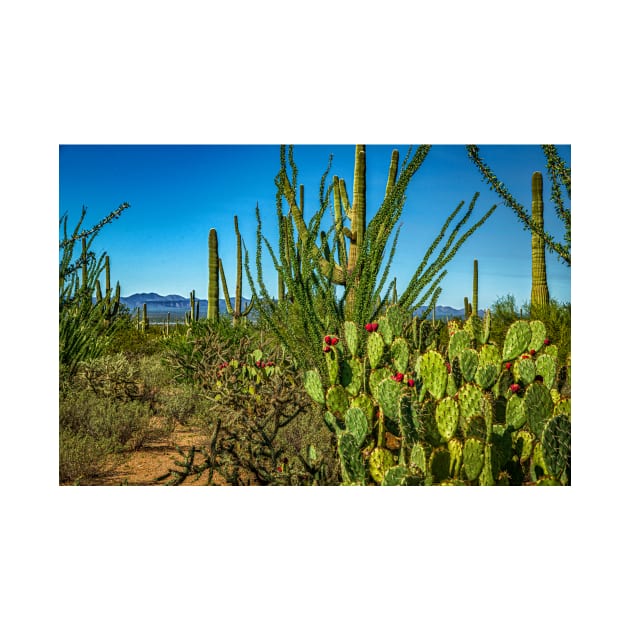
x=337 y=400
x=419 y=457
x=489 y=353
x=556 y=445
x=351 y=376
x=486 y=375
x=539 y=333
x=447 y=417
x=376 y=377
x=546 y=367
x=470 y=399
x=456 y=451
x=399 y=353
x=352 y=468
x=474 y=327
x=537 y=407
x=357 y=424
x=468 y=361
x=388 y=394
x=459 y=340
x=352 y=337
x=517 y=340
x=525 y=370
x=432 y=369
x=380 y=461
x=473 y=458
x=523 y=445
x=313 y=387
x=514 y=415
x=375 y=349
x=385 y=329
x=396 y=318
x=364 y=402
x=396 y=476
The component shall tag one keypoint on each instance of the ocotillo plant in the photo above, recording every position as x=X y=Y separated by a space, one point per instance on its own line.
x=475 y=291
x=354 y=258
x=213 y=276
x=236 y=312
x=540 y=290
x=560 y=176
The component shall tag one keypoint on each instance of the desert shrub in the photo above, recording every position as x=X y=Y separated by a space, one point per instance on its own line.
x=87 y=413
x=82 y=456
x=182 y=404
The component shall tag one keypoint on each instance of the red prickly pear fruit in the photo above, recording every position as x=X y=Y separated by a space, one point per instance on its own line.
x=532 y=351
x=327 y=339
x=374 y=326
x=368 y=327
x=546 y=342
x=327 y=348
x=258 y=363
x=515 y=387
x=411 y=382
x=508 y=365
x=334 y=341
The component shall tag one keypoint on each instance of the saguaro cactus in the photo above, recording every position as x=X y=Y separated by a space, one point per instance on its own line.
x=475 y=293
x=540 y=290
x=213 y=276
x=236 y=311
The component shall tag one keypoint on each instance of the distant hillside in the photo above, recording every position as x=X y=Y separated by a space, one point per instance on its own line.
x=178 y=304
x=170 y=303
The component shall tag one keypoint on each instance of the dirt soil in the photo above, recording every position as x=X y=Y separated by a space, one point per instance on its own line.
x=156 y=456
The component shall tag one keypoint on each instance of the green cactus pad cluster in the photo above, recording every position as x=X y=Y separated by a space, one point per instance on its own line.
x=357 y=424
x=352 y=468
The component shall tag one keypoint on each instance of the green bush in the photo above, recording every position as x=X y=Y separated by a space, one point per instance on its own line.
x=83 y=456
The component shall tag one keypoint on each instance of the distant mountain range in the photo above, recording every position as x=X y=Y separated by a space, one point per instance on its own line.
x=177 y=304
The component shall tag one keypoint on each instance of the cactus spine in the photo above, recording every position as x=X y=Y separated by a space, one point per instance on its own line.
x=213 y=276
x=540 y=290
x=235 y=311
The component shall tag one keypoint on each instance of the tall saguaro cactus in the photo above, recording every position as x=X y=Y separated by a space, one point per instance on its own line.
x=540 y=290
x=475 y=292
x=213 y=276
x=236 y=312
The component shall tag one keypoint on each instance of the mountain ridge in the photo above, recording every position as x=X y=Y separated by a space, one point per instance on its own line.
x=162 y=303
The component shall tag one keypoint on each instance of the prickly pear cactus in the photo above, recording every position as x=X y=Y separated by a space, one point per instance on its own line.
x=357 y=424
x=352 y=337
x=460 y=340
x=313 y=386
x=539 y=333
x=447 y=417
x=352 y=468
x=432 y=369
x=473 y=458
x=380 y=461
x=537 y=407
x=517 y=340
x=399 y=353
x=375 y=348
x=468 y=361
x=556 y=445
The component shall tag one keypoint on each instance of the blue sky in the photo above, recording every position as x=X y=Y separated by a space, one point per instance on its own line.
x=178 y=192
